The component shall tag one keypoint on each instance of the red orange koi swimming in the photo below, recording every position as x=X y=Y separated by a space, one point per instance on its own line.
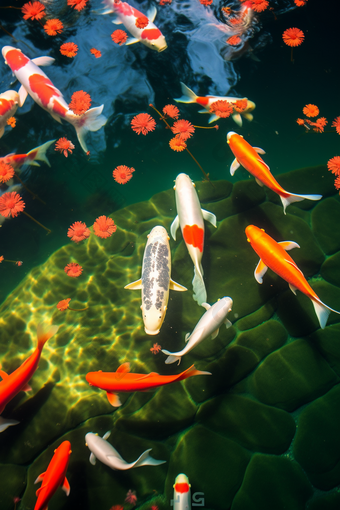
x=123 y=381
x=17 y=161
x=35 y=83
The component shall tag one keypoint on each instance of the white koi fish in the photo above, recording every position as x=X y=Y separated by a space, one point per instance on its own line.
x=127 y=15
x=209 y=324
x=155 y=282
x=102 y=450
x=190 y=218
x=189 y=96
x=35 y=83
x=9 y=102
x=182 y=493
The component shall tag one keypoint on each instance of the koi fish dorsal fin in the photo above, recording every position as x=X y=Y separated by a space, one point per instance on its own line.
x=40 y=478
x=122 y=370
x=260 y=270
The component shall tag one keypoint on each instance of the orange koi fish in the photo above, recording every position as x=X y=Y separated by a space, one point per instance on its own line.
x=9 y=102
x=249 y=158
x=123 y=381
x=54 y=476
x=31 y=158
x=274 y=256
x=35 y=83
x=17 y=381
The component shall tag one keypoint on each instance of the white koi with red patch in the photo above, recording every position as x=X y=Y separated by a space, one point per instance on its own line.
x=9 y=102
x=127 y=15
x=190 y=218
x=182 y=493
x=35 y=83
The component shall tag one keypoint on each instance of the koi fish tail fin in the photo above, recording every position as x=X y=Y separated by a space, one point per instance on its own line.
x=44 y=333
x=200 y=293
x=190 y=372
x=188 y=96
x=39 y=154
x=322 y=311
x=171 y=358
x=5 y=423
x=292 y=197
x=92 y=120
x=146 y=460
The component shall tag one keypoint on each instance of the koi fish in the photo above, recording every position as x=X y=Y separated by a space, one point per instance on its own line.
x=31 y=158
x=35 y=83
x=249 y=158
x=102 y=450
x=182 y=493
x=190 y=218
x=274 y=256
x=17 y=381
x=9 y=102
x=156 y=281
x=206 y=101
x=209 y=324
x=123 y=381
x=127 y=15
x=54 y=476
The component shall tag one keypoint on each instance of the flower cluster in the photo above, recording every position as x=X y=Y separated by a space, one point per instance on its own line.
x=311 y=110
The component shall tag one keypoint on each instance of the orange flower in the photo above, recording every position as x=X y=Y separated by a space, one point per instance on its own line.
x=6 y=172
x=301 y=122
x=240 y=105
x=310 y=110
x=300 y=3
x=234 y=40
x=206 y=2
x=155 y=349
x=1 y=258
x=221 y=108
x=141 y=22
x=293 y=36
x=64 y=145
x=11 y=122
x=319 y=124
x=333 y=165
x=95 y=52
x=336 y=124
x=74 y=270
x=143 y=123
x=80 y=102
x=69 y=49
x=337 y=183
x=53 y=26
x=183 y=128
x=259 y=5
x=171 y=111
x=177 y=144
x=77 y=4
x=119 y=37
x=122 y=174
x=104 y=227
x=78 y=232
x=33 y=11
x=11 y=204
x=64 y=304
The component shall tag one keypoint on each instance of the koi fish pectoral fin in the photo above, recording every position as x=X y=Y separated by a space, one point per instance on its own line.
x=137 y=285
x=131 y=40
x=22 y=95
x=227 y=323
x=237 y=118
x=208 y=216
x=151 y=13
x=260 y=270
x=107 y=435
x=93 y=459
x=176 y=286
x=206 y=306
x=234 y=166
x=66 y=486
x=212 y=118
x=187 y=336
x=174 y=227
x=215 y=333
x=171 y=358
x=260 y=183
x=113 y=399
x=5 y=423
x=43 y=61
x=116 y=20
x=288 y=245
x=322 y=311
x=292 y=288
x=40 y=478
x=248 y=116
x=259 y=150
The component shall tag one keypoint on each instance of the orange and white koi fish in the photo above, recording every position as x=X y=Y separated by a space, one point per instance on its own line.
x=156 y=281
x=35 y=83
x=127 y=15
x=206 y=101
x=54 y=476
x=123 y=381
x=274 y=256
x=9 y=102
x=249 y=158
x=31 y=158
x=17 y=381
x=190 y=218
x=182 y=493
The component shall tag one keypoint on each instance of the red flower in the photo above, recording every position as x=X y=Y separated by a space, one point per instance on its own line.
x=63 y=304
x=104 y=227
x=206 y=2
x=122 y=174
x=119 y=37
x=19 y=263
x=301 y=122
x=171 y=111
x=95 y=52
x=142 y=22
x=336 y=124
x=6 y=172
x=77 y=4
x=164 y=2
x=143 y=123
x=293 y=36
x=334 y=165
x=310 y=110
x=35 y=10
x=74 y=270
x=53 y=26
x=1 y=258
x=69 y=49
x=64 y=145
x=177 y=144
x=11 y=122
x=259 y=5
x=80 y=102
x=78 y=232
x=234 y=40
x=155 y=349
x=300 y=3
x=337 y=183
x=319 y=124
x=11 y=204
x=183 y=128
x=221 y=108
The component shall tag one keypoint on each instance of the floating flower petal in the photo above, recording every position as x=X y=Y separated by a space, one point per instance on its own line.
x=63 y=304
x=259 y=5
x=104 y=227
x=77 y=4
x=310 y=110
x=119 y=37
x=234 y=40
x=177 y=144
x=95 y=52
x=35 y=10
x=171 y=111
x=183 y=128
x=80 y=102
x=293 y=37
x=69 y=49
x=143 y=123
x=221 y=108
x=11 y=122
x=53 y=26
x=206 y=2
x=6 y=172
x=1 y=258
x=300 y=3
x=64 y=145
x=78 y=231
x=122 y=174
x=11 y=204
x=74 y=270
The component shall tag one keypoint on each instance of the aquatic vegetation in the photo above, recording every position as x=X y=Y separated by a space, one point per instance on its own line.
x=64 y=146
x=104 y=227
x=73 y=270
x=122 y=174
x=78 y=231
x=143 y=123
x=69 y=49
